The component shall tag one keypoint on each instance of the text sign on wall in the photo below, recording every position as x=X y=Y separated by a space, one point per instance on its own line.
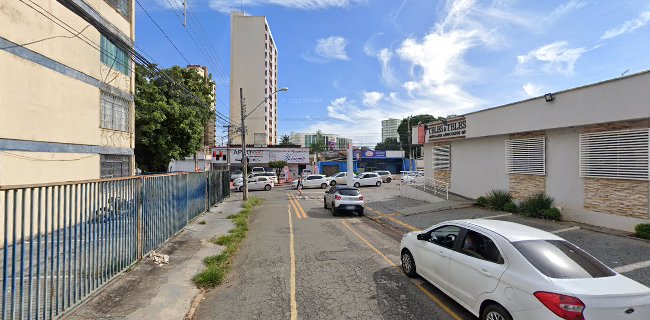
x=372 y=154
x=450 y=129
x=262 y=156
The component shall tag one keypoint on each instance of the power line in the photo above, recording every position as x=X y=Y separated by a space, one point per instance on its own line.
x=45 y=39
x=163 y=32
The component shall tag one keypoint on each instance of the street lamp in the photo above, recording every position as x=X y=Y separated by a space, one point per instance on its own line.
x=244 y=158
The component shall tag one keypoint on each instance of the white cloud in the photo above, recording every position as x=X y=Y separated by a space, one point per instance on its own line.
x=628 y=26
x=372 y=98
x=532 y=90
x=553 y=57
x=227 y=6
x=332 y=48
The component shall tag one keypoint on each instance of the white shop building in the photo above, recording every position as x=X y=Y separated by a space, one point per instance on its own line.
x=586 y=147
x=297 y=158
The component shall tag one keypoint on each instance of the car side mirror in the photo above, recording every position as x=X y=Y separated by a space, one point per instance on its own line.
x=423 y=236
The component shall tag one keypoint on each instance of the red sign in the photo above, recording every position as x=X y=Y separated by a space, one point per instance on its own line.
x=421 y=134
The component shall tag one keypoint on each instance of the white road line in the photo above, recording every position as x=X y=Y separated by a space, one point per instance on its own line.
x=632 y=267
x=498 y=216
x=565 y=229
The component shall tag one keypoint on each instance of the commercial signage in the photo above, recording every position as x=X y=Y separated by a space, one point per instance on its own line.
x=447 y=130
x=370 y=154
x=262 y=156
x=421 y=134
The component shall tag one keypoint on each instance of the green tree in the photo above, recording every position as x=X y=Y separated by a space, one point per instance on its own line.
x=278 y=165
x=388 y=144
x=285 y=140
x=403 y=131
x=318 y=145
x=169 y=121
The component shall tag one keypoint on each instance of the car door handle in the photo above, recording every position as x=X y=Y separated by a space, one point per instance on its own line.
x=486 y=272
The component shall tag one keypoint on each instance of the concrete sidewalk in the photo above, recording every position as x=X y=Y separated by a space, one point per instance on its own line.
x=166 y=291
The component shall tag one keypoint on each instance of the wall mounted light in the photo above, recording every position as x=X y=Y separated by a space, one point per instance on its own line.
x=549 y=97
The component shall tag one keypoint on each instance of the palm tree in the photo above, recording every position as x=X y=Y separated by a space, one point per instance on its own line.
x=285 y=140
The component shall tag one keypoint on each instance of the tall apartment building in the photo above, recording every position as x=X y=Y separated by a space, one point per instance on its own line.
x=389 y=129
x=209 y=131
x=305 y=140
x=254 y=68
x=66 y=102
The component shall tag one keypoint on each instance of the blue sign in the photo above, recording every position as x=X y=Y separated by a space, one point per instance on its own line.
x=370 y=154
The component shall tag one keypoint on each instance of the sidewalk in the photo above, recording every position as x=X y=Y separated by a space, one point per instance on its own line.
x=166 y=291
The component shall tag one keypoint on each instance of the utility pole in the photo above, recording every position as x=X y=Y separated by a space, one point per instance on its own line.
x=228 y=148
x=244 y=156
x=408 y=124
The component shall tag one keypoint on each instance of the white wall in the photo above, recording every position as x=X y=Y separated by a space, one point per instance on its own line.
x=563 y=181
x=477 y=165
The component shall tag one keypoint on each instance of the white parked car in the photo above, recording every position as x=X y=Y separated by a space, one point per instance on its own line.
x=339 y=178
x=367 y=179
x=412 y=177
x=343 y=198
x=237 y=174
x=386 y=176
x=507 y=271
x=271 y=175
x=256 y=183
x=312 y=181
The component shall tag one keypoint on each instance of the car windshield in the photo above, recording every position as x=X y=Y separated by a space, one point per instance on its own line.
x=349 y=192
x=237 y=172
x=561 y=259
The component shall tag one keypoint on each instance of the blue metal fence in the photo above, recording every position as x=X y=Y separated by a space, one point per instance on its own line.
x=62 y=241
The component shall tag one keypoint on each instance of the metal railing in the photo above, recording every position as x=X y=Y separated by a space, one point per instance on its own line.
x=430 y=185
x=62 y=241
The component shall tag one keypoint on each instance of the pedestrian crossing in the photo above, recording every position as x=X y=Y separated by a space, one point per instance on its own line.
x=309 y=197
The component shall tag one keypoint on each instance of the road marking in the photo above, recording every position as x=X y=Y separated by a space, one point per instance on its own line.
x=565 y=229
x=294 y=206
x=392 y=264
x=292 y=281
x=403 y=224
x=298 y=207
x=498 y=216
x=632 y=267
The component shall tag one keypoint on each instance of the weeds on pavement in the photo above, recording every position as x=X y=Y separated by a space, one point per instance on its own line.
x=218 y=266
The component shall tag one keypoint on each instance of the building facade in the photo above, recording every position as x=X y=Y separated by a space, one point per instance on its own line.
x=297 y=158
x=586 y=147
x=66 y=102
x=332 y=141
x=209 y=131
x=254 y=69
x=389 y=129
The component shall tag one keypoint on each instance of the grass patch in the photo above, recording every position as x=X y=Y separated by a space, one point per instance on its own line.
x=218 y=266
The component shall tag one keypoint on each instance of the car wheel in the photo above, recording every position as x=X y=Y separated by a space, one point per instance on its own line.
x=495 y=312
x=267 y=187
x=334 y=211
x=356 y=184
x=389 y=180
x=323 y=186
x=241 y=189
x=333 y=183
x=378 y=184
x=360 y=212
x=408 y=264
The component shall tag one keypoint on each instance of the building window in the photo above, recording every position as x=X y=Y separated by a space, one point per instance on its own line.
x=121 y=6
x=114 y=112
x=526 y=156
x=113 y=165
x=615 y=154
x=441 y=158
x=114 y=57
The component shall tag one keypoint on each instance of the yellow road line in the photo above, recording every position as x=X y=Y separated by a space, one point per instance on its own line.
x=295 y=208
x=302 y=211
x=292 y=281
x=403 y=224
x=392 y=264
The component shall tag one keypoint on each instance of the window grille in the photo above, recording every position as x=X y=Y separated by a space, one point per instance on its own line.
x=441 y=158
x=112 y=166
x=526 y=156
x=114 y=112
x=615 y=154
x=121 y=6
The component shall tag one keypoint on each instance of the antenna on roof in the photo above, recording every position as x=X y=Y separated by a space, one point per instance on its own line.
x=624 y=72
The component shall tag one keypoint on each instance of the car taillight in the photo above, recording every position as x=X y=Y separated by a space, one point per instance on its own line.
x=337 y=197
x=360 y=197
x=565 y=307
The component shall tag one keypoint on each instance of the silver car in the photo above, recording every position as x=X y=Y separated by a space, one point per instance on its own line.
x=386 y=176
x=343 y=198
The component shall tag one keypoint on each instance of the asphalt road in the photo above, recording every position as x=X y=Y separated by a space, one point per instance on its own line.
x=348 y=267
x=316 y=266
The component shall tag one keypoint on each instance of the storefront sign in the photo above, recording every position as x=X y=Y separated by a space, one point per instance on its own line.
x=372 y=154
x=421 y=134
x=262 y=156
x=446 y=130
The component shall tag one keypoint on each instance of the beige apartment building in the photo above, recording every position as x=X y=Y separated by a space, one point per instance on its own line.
x=66 y=90
x=389 y=128
x=254 y=68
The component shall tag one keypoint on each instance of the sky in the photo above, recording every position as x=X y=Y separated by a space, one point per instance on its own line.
x=349 y=64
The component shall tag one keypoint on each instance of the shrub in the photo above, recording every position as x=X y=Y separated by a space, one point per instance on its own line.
x=551 y=214
x=496 y=199
x=643 y=230
x=481 y=201
x=536 y=204
x=510 y=207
